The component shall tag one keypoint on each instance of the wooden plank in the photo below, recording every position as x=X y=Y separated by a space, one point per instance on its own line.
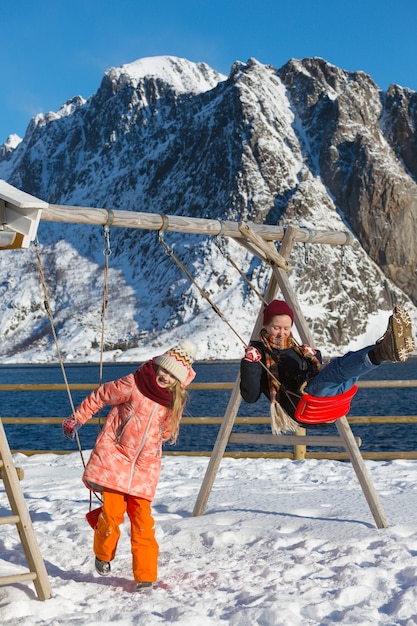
x=9 y=519
x=290 y=440
x=361 y=472
x=226 y=427
x=268 y=251
x=24 y=526
x=360 y=420
x=19 y=198
x=363 y=384
x=181 y=224
x=17 y=578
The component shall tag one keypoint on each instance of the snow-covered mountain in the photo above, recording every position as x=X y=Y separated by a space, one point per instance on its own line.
x=307 y=144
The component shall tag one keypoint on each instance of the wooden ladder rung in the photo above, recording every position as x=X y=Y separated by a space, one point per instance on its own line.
x=17 y=578
x=19 y=471
x=9 y=519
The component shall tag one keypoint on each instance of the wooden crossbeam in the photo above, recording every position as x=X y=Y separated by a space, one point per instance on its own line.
x=290 y=440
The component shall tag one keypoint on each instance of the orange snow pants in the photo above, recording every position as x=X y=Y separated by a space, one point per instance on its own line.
x=143 y=543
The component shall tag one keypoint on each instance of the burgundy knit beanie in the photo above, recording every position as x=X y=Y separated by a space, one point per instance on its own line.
x=277 y=307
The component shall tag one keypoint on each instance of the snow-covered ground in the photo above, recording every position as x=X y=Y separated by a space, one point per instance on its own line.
x=280 y=543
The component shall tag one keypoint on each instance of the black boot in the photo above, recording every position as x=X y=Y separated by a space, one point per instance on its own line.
x=143 y=585
x=397 y=343
x=102 y=567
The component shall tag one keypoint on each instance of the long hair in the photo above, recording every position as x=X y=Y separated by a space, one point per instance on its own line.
x=178 y=402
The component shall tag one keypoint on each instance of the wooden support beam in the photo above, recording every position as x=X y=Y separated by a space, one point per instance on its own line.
x=365 y=481
x=227 y=424
x=20 y=516
x=288 y=293
x=346 y=439
x=325 y=441
x=250 y=248
x=269 y=251
x=181 y=224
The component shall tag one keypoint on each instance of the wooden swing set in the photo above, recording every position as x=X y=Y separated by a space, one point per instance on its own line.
x=20 y=216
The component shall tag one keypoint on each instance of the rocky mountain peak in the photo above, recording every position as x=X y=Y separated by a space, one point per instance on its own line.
x=307 y=144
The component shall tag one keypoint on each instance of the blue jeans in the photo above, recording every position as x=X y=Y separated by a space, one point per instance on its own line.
x=341 y=373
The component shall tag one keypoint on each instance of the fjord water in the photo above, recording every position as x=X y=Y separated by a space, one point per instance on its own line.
x=202 y=403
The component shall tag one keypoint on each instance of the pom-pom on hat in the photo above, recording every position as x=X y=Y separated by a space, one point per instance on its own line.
x=178 y=361
x=277 y=307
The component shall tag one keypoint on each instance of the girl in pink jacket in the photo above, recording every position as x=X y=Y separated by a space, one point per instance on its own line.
x=125 y=464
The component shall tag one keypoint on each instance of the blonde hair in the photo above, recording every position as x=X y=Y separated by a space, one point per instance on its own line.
x=178 y=402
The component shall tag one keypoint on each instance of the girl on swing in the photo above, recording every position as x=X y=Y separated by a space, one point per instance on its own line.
x=277 y=366
x=125 y=464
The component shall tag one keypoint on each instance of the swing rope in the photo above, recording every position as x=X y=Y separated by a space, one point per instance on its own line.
x=51 y=320
x=280 y=420
x=220 y=243
x=107 y=252
x=339 y=403
x=169 y=251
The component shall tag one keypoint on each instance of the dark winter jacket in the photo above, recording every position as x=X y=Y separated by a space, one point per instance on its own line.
x=293 y=371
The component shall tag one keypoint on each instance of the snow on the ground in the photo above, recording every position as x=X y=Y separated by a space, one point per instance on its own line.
x=281 y=542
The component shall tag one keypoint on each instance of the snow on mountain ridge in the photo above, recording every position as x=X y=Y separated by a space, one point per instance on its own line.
x=183 y=75
x=65 y=110
x=13 y=140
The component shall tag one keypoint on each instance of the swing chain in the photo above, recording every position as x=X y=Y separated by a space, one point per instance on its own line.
x=307 y=247
x=107 y=248
x=165 y=222
x=106 y=232
x=168 y=250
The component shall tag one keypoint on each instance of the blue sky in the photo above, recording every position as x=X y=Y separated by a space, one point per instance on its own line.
x=53 y=50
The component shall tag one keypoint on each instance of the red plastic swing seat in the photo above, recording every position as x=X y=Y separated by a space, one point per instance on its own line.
x=315 y=410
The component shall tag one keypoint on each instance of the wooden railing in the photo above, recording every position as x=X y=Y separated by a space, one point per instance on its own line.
x=356 y=420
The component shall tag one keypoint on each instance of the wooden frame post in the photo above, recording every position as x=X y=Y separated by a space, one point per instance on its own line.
x=279 y=279
x=37 y=571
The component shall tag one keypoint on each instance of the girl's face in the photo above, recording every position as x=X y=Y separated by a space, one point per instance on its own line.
x=279 y=326
x=164 y=379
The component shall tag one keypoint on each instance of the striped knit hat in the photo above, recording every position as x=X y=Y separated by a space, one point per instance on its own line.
x=178 y=361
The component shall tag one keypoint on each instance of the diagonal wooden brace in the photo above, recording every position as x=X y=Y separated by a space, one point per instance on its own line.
x=268 y=251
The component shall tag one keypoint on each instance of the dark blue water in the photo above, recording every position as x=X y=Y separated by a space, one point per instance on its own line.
x=402 y=437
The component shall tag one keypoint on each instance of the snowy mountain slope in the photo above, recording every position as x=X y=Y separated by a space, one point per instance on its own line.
x=167 y=136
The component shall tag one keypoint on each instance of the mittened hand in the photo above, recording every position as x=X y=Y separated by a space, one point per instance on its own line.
x=308 y=350
x=69 y=427
x=252 y=354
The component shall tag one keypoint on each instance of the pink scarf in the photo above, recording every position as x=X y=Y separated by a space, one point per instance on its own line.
x=145 y=380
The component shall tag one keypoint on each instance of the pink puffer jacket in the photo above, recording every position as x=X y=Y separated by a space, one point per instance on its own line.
x=127 y=454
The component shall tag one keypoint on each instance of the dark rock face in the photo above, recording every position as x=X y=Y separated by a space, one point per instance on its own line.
x=365 y=145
